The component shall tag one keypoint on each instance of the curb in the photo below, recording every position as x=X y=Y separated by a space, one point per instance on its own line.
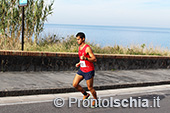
x=67 y=90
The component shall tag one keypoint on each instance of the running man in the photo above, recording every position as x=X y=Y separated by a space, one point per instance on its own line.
x=86 y=70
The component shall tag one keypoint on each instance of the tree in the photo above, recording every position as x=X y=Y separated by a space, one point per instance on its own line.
x=11 y=18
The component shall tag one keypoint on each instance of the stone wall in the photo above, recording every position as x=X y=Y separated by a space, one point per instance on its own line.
x=54 y=61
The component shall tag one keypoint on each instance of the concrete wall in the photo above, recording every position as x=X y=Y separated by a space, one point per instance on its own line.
x=48 y=61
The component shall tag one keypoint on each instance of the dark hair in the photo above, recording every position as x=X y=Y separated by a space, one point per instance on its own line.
x=81 y=35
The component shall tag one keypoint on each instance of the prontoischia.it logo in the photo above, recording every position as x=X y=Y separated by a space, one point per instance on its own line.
x=109 y=102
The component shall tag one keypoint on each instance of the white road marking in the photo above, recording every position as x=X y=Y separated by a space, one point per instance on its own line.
x=4 y=101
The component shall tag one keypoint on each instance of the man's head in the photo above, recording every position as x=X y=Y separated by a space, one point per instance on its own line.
x=80 y=38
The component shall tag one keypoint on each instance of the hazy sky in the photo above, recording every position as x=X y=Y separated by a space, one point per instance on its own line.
x=148 y=13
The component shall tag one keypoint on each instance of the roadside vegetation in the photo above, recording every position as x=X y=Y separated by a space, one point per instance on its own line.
x=53 y=43
x=36 y=14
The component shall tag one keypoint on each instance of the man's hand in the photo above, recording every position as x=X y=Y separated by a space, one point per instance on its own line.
x=83 y=57
x=78 y=64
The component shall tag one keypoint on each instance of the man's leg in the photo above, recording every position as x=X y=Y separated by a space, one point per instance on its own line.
x=90 y=87
x=76 y=81
x=93 y=92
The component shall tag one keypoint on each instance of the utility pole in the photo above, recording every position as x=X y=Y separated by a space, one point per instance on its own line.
x=23 y=3
x=22 y=28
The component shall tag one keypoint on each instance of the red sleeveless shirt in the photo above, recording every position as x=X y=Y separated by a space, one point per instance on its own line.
x=85 y=65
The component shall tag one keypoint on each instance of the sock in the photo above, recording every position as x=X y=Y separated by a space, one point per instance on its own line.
x=85 y=93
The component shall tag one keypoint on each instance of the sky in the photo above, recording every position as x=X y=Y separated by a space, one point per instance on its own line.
x=141 y=13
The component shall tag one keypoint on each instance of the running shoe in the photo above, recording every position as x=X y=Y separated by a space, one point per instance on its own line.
x=87 y=96
x=94 y=104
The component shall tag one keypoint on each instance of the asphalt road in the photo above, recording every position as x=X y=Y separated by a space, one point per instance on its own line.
x=151 y=94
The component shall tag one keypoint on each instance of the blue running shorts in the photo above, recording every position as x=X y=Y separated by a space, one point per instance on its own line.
x=87 y=75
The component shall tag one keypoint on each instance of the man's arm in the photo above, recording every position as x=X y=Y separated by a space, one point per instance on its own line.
x=92 y=57
x=78 y=64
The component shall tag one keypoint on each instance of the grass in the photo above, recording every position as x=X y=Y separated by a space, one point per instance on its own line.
x=54 y=43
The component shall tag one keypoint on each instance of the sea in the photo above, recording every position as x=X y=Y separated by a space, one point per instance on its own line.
x=114 y=35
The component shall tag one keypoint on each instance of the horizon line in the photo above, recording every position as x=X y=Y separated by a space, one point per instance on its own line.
x=108 y=26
